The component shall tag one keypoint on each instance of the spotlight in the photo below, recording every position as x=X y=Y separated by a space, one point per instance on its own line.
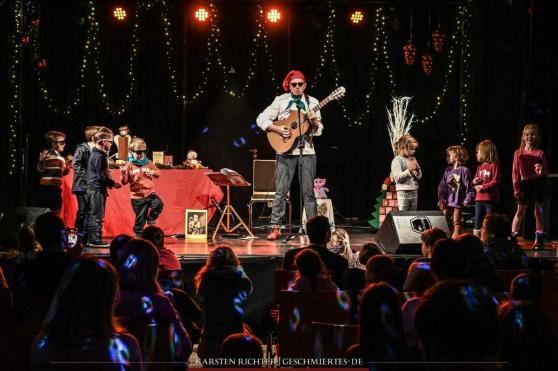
x=357 y=16
x=201 y=14
x=119 y=13
x=273 y=15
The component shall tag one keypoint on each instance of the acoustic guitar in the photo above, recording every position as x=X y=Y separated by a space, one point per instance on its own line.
x=281 y=144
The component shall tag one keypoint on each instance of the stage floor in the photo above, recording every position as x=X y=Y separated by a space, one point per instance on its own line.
x=259 y=247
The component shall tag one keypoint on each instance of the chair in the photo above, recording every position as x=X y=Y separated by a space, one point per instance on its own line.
x=263 y=187
x=507 y=276
x=332 y=340
x=297 y=310
x=549 y=300
x=283 y=278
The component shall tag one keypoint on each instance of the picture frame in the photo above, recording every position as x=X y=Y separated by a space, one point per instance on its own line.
x=195 y=224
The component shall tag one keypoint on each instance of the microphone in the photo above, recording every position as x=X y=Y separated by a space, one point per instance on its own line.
x=215 y=204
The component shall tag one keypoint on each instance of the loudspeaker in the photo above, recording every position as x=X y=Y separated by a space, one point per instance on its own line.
x=263 y=178
x=15 y=219
x=400 y=233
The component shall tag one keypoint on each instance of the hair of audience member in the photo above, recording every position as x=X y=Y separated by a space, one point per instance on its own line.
x=527 y=287
x=155 y=235
x=431 y=235
x=318 y=230
x=381 y=333
x=243 y=347
x=27 y=241
x=457 y=321
x=449 y=260
x=116 y=248
x=367 y=251
x=379 y=268
x=83 y=306
x=527 y=339
x=419 y=278
x=309 y=264
x=343 y=239
x=49 y=231
x=496 y=226
x=139 y=267
x=222 y=256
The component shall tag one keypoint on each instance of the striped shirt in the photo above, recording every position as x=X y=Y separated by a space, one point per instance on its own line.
x=52 y=168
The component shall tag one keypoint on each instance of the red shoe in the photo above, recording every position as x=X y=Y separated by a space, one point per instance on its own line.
x=274 y=234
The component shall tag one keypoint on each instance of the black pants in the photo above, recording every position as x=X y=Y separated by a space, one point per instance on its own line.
x=82 y=211
x=147 y=210
x=97 y=200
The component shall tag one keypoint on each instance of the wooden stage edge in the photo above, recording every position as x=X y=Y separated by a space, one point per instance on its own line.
x=259 y=247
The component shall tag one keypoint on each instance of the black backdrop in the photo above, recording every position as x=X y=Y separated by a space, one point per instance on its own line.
x=513 y=74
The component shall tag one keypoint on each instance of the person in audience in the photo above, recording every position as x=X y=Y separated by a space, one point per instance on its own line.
x=527 y=287
x=81 y=326
x=367 y=251
x=457 y=321
x=26 y=250
x=245 y=350
x=499 y=245
x=428 y=239
x=142 y=301
x=527 y=339
x=116 y=248
x=480 y=269
x=340 y=244
x=449 y=260
x=169 y=261
x=319 y=234
x=3 y=282
x=380 y=268
x=311 y=275
x=223 y=288
x=380 y=336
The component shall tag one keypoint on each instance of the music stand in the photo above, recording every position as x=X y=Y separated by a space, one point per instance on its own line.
x=230 y=179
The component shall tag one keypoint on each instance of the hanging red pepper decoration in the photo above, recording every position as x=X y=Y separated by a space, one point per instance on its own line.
x=410 y=53
x=427 y=63
x=437 y=40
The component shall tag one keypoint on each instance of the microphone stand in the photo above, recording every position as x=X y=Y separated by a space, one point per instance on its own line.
x=300 y=147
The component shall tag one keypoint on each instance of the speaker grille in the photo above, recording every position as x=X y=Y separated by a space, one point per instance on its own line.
x=263 y=179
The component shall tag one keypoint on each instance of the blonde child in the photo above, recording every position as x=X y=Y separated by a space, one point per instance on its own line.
x=52 y=167
x=139 y=172
x=406 y=173
x=529 y=174
x=486 y=182
x=340 y=244
x=455 y=190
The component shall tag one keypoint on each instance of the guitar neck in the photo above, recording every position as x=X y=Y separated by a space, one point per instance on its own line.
x=320 y=105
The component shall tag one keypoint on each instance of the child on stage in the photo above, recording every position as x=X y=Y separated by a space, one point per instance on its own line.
x=529 y=174
x=139 y=172
x=486 y=182
x=455 y=190
x=52 y=167
x=406 y=173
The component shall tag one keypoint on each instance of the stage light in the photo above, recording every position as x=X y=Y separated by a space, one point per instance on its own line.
x=119 y=13
x=201 y=14
x=274 y=15
x=357 y=16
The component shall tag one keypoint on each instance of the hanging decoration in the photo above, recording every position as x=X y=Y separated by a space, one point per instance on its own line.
x=39 y=64
x=410 y=50
x=399 y=121
x=427 y=63
x=14 y=88
x=23 y=38
x=465 y=94
x=437 y=41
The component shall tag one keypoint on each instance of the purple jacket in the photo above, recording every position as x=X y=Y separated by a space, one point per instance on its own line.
x=455 y=187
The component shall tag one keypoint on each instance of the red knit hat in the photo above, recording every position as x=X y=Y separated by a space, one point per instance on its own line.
x=293 y=74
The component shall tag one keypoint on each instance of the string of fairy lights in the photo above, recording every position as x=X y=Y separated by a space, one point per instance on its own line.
x=465 y=16
x=15 y=88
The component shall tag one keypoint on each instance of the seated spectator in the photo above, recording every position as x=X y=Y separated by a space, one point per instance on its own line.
x=223 y=289
x=527 y=339
x=457 y=321
x=169 y=261
x=319 y=234
x=480 y=269
x=527 y=287
x=116 y=248
x=449 y=260
x=340 y=244
x=245 y=350
x=3 y=282
x=380 y=268
x=499 y=245
x=367 y=251
x=428 y=239
x=81 y=326
x=27 y=250
x=419 y=278
x=380 y=335
x=311 y=275
x=142 y=301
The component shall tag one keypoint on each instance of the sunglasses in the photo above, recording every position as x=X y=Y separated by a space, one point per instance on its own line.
x=140 y=151
x=60 y=142
x=296 y=84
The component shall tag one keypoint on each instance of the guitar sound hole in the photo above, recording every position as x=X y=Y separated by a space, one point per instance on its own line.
x=294 y=125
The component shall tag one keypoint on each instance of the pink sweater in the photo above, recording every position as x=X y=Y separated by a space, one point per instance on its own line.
x=490 y=174
x=524 y=165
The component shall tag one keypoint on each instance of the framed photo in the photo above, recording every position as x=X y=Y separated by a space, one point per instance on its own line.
x=195 y=224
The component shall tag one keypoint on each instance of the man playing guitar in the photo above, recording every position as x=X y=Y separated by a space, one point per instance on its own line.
x=282 y=106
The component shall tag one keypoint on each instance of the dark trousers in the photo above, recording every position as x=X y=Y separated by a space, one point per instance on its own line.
x=97 y=200
x=481 y=209
x=82 y=211
x=287 y=165
x=147 y=210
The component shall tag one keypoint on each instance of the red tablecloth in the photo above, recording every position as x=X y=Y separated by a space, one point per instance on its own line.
x=179 y=190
